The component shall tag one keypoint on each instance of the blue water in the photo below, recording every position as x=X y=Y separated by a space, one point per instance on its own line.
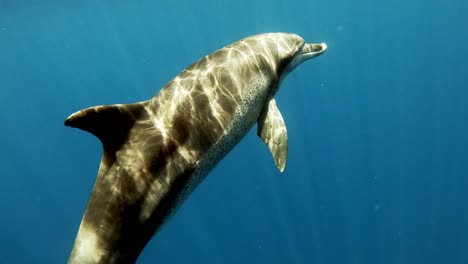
x=378 y=129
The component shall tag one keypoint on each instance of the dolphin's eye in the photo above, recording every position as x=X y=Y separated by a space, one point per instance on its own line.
x=285 y=61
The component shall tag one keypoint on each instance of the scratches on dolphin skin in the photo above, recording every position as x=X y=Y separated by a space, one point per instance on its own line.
x=158 y=151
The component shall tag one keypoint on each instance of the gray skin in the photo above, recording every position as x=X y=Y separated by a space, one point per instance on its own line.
x=157 y=151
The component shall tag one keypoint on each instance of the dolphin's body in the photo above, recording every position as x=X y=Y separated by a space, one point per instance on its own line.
x=157 y=151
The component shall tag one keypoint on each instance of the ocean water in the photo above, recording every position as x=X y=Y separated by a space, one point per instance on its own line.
x=378 y=129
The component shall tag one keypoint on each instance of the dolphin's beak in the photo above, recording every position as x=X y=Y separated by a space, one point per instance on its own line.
x=308 y=51
x=311 y=50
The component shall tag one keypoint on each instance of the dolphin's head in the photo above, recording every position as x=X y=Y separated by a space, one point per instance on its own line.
x=293 y=50
x=288 y=50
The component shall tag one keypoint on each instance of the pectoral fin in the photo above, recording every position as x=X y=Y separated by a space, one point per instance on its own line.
x=272 y=130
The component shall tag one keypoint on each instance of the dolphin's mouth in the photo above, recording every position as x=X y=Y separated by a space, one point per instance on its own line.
x=310 y=50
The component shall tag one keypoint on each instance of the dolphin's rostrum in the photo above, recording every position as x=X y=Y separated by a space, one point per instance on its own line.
x=157 y=151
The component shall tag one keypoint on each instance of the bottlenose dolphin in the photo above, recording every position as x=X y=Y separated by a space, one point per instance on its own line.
x=157 y=151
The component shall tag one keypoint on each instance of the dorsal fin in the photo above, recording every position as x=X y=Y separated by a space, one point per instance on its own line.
x=109 y=123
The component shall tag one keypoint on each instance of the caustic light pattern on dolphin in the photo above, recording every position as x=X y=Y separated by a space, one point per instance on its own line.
x=157 y=151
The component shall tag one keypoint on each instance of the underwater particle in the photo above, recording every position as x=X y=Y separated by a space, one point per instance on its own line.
x=376 y=208
x=339 y=28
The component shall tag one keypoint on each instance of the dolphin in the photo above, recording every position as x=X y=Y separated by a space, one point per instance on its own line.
x=157 y=151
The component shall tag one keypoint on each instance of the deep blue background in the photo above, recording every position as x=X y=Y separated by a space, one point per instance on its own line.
x=378 y=129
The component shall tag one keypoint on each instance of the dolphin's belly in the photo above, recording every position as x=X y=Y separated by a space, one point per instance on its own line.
x=245 y=116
